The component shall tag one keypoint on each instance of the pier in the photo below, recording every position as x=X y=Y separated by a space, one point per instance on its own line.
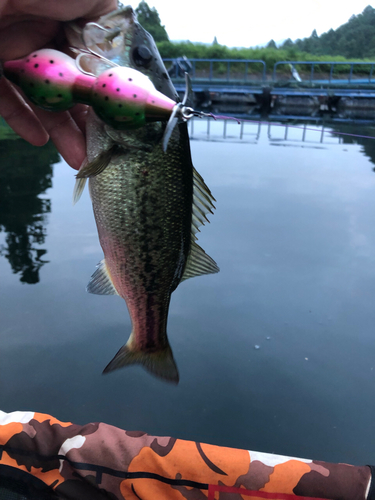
x=342 y=90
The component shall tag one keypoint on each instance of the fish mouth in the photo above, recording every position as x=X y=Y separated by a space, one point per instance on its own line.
x=111 y=36
x=117 y=39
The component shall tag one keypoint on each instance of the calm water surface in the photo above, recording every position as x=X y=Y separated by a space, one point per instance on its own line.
x=276 y=352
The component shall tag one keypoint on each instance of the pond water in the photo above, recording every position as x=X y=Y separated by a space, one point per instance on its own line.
x=276 y=352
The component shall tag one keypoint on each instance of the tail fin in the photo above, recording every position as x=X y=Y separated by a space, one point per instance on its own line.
x=159 y=363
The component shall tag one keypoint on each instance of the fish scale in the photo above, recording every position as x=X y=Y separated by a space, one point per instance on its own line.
x=143 y=214
x=148 y=205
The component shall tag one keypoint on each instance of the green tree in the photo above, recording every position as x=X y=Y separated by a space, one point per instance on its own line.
x=150 y=20
x=271 y=45
x=25 y=174
x=354 y=39
x=287 y=44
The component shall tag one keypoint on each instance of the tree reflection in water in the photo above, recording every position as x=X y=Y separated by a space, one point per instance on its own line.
x=25 y=173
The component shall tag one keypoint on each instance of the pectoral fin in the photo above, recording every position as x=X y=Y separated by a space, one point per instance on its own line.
x=79 y=186
x=98 y=164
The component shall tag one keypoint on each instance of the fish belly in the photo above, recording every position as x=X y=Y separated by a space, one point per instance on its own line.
x=143 y=215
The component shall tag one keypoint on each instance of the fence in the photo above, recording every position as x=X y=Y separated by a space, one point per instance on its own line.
x=221 y=69
x=247 y=70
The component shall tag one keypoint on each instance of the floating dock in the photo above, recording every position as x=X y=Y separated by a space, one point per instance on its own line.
x=296 y=88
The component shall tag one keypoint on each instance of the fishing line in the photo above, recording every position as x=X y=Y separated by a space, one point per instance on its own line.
x=244 y=120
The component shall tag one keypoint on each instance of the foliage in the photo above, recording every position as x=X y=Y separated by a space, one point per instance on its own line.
x=25 y=174
x=354 y=39
x=271 y=44
x=150 y=20
x=288 y=52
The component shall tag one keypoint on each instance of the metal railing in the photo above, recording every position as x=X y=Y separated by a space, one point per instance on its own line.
x=227 y=75
x=331 y=65
x=210 y=130
x=250 y=132
x=247 y=70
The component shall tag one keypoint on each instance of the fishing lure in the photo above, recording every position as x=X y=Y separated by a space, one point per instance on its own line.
x=122 y=97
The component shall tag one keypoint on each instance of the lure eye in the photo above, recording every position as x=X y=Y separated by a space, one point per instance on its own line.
x=142 y=56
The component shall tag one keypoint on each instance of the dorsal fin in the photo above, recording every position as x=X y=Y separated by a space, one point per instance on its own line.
x=202 y=202
x=100 y=282
x=198 y=262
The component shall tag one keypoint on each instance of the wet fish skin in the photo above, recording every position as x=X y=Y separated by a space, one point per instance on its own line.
x=143 y=206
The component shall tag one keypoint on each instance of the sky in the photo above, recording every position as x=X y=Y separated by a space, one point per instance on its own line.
x=245 y=23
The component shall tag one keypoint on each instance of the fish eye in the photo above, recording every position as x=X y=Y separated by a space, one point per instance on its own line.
x=142 y=56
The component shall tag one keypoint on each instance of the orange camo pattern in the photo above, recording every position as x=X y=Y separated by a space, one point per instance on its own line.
x=285 y=477
x=234 y=462
x=9 y=430
x=42 y=417
x=101 y=461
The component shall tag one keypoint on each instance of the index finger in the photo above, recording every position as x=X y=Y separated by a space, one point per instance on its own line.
x=66 y=135
x=19 y=116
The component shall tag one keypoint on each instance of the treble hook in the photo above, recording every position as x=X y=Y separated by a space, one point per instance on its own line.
x=182 y=113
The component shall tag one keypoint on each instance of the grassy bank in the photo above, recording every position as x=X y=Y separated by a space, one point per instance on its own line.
x=269 y=55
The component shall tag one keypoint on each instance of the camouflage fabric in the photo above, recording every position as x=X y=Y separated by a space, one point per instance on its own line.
x=99 y=461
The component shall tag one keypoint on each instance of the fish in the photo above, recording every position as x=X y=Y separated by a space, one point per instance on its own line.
x=148 y=204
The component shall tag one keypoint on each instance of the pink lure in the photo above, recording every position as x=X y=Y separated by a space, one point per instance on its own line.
x=122 y=97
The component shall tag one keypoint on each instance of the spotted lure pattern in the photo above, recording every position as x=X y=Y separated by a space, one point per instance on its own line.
x=121 y=96
x=100 y=462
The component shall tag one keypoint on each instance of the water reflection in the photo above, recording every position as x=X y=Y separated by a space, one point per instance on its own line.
x=25 y=173
x=294 y=236
x=368 y=145
x=313 y=134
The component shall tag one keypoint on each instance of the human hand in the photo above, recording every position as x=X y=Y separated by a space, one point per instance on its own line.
x=28 y=25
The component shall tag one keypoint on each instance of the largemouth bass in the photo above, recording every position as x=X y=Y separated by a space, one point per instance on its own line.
x=148 y=204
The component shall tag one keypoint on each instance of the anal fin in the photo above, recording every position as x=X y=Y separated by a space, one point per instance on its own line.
x=100 y=282
x=198 y=263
